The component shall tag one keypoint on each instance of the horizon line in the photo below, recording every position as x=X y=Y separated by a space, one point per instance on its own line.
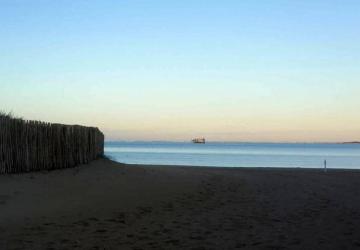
x=220 y=141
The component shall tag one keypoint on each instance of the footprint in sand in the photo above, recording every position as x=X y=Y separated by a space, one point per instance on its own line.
x=4 y=199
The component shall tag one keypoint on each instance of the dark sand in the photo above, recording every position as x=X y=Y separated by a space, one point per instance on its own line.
x=106 y=205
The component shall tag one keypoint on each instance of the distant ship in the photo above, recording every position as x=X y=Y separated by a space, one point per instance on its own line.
x=199 y=140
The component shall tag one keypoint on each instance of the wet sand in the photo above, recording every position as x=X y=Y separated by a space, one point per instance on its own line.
x=106 y=205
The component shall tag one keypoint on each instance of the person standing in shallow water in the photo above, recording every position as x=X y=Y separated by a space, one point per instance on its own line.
x=325 y=163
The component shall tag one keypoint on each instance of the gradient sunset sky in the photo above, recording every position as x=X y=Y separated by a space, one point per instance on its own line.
x=266 y=70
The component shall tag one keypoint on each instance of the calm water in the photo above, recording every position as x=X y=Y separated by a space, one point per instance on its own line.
x=236 y=154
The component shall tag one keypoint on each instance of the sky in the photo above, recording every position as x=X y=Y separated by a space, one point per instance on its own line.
x=266 y=70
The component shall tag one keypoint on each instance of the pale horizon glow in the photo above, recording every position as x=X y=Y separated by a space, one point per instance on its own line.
x=262 y=71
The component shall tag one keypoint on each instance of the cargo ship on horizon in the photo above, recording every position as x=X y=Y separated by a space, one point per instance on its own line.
x=199 y=140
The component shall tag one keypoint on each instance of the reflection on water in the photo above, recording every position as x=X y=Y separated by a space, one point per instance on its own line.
x=236 y=154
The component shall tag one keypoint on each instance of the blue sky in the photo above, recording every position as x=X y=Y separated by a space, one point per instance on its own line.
x=172 y=70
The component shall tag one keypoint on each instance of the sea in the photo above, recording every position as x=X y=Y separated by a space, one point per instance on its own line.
x=221 y=154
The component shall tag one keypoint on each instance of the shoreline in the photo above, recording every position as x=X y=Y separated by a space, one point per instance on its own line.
x=331 y=169
x=117 y=206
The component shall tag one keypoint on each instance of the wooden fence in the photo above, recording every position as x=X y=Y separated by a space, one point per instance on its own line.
x=31 y=145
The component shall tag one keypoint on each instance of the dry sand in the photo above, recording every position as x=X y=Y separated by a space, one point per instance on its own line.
x=106 y=205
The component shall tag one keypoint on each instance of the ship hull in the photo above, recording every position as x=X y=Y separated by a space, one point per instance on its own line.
x=199 y=141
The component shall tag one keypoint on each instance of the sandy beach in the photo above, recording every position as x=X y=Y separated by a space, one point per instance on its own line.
x=107 y=205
